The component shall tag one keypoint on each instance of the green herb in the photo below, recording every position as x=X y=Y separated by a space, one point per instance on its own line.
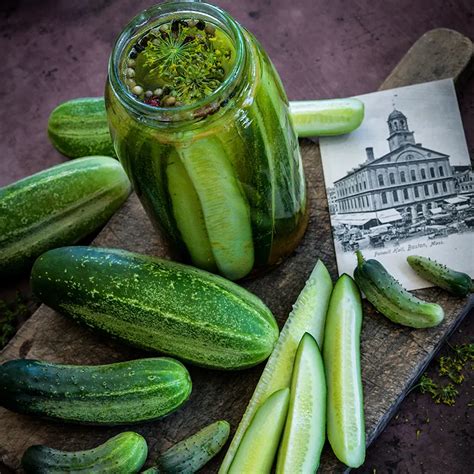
x=440 y=394
x=11 y=313
x=451 y=367
x=188 y=61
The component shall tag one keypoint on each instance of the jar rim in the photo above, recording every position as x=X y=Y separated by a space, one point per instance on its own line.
x=160 y=13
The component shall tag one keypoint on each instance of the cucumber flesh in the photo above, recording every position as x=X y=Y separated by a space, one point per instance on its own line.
x=326 y=117
x=188 y=214
x=260 y=442
x=191 y=454
x=226 y=212
x=341 y=355
x=308 y=315
x=305 y=428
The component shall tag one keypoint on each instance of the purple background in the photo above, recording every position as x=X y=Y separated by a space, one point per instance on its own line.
x=55 y=50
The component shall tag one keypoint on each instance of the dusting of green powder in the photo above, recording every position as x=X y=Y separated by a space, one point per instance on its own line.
x=178 y=63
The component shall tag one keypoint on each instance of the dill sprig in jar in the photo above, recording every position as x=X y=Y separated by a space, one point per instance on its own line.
x=200 y=121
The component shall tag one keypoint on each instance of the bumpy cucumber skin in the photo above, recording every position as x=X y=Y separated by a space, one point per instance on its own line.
x=123 y=454
x=56 y=207
x=158 y=305
x=189 y=455
x=303 y=439
x=341 y=355
x=259 y=445
x=391 y=299
x=79 y=127
x=124 y=392
x=308 y=315
x=457 y=283
x=319 y=118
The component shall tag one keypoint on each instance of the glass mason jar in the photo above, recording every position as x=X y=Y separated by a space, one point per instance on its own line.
x=221 y=178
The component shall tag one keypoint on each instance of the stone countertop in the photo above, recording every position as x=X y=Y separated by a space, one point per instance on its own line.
x=56 y=50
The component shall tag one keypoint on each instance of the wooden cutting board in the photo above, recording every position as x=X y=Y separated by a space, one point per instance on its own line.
x=392 y=356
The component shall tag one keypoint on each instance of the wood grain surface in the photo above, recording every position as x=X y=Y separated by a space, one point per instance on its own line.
x=392 y=356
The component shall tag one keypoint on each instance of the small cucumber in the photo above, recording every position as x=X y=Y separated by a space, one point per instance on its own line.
x=391 y=299
x=157 y=305
x=260 y=442
x=123 y=392
x=341 y=354
x=225 y=209
x=308 y=315
x=79 y=127
x=123 y=454
x=189 y=455
x=56 y=207
x=319 y=118
x=457 y=283
x=305 y=428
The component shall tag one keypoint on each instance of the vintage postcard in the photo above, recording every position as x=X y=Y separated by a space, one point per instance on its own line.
x=402 y=184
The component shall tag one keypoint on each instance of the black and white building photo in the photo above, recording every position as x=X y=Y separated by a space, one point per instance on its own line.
x=411 y=188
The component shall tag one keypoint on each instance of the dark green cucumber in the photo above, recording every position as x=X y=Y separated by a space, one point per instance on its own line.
x=391 y=299
x=457 y=283
x=124 y=392
x=224 y=207
x=189 y=455
x=56 y=207
x=123 y=454
x=79 y=127
x=158 y=305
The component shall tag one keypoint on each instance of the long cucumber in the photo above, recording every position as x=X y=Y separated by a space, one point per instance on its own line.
x=341 y=354
x=123 y=392
x=305 y=428
x=457 y=283
x=226 y=211
x=157 y=305
x=326 y=117
x=188 y=214
x=123 y=454
x=79 y=127
x=57 y=206
x=259 y=445
x=391 y=299
x=308 y=315
x=191 y=454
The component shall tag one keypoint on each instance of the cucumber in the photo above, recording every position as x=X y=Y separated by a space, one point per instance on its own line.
x=341 y=355
x=305 y=428
x=308 y=315
x=259 y=445
x=225 y=209
x=457 y=283
x=123 y=454
x=326 y=117
x=157 y=305
x=56 y=207
x=391 y=299
x=79 y=127
x=188 y=214
x=123 y=392
x=189 y=455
